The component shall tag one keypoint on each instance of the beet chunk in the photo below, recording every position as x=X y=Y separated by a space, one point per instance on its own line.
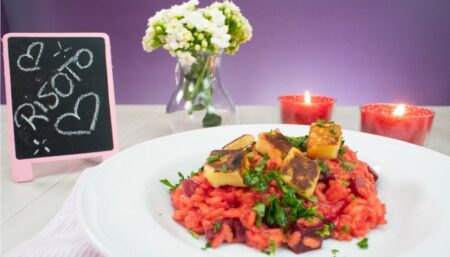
x=189 y=187
x=309 y=240
x=237 y=228
x=324 y=178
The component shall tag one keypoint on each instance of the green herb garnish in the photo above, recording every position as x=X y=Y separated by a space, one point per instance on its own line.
x=224 y=167
x=214 y=157
x=207 y=245
x=260 y=209
x=320 y=123
x=323 y=167
x=312 y=199
x=324 y=232
x=193 y=234
x=341 y=151
x=345 y=229
x=345 y=182
x=364 y=243
x=275 y=214
x=217 y=227
x=299 y=142
x=334 y=252
x=167 y=183
x=346 y=166
x=272 y=248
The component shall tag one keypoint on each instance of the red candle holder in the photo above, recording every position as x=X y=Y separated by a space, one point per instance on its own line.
x=412 y=124
x=295 y=110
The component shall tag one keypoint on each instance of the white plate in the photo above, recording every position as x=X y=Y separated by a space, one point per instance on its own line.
x=126 y=211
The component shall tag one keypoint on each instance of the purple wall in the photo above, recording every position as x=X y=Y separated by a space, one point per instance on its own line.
x=357 y=51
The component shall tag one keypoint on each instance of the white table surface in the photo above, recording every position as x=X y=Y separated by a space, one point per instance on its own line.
x=26 y=208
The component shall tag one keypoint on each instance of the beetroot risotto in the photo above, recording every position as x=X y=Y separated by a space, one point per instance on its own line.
x=277 y=191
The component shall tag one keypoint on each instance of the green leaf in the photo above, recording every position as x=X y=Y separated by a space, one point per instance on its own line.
x=324 y=232
x=334 y=252
x=320 y=123
x=207 y=245
x=167 y=183
x=211 y=120
x=260 y=209
x=272 y=248
x=312 y=199
x=364 y=243
x=193 y=234
x=217 y=227
x=214 y=157
x=299 y=142
x=198 y=107
x=323 y=167
x=224 y=167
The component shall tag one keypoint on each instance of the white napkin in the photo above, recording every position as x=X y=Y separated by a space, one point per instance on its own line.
x=63 y=236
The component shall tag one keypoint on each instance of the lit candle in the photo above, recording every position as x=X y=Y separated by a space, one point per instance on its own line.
x=305 y=109
x=405 y=122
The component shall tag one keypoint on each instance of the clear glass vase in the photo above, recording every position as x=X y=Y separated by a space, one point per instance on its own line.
x=200 y=100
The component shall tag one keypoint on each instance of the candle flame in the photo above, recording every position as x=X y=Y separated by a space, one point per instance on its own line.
x=307 y=97
x=399 y=110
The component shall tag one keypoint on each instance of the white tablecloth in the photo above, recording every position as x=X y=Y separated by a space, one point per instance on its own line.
x=63 y=236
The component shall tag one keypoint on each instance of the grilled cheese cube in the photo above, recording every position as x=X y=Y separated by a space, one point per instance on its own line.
x=324 y=141
x=300 y=172
x=273 y=143
x=226 y=167
x=241 y=142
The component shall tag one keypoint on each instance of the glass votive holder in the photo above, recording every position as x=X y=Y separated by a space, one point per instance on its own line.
x=298 y=109
x=404 y=122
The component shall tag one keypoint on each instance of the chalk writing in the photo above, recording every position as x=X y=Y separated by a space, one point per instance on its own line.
x=76 y=59
x=28 y=119
x=27 y=57
x=76 y=115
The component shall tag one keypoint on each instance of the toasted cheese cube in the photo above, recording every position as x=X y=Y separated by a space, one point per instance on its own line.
x=300 y=172
x=273 y=143
x=241 y=142
x=324 y=141
x=226 y=167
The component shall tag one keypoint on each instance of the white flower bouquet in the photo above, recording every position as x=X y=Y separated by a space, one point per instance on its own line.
x=195 y=36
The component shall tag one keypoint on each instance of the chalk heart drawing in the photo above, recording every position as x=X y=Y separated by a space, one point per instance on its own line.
x=74 y=117
x=28 y=62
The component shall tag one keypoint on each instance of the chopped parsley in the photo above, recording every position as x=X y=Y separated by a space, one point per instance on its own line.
x=320 y=123
x=345 y=228
x=224 y=167
x=207 y=245
x=346 y=166
x=214 y=157
x=341 y=151
x=217 y=227
x=323 y=167
x=364 y=243
x=275 y=214
x=260 y=209
x=272 y=248
x=170 y=185
x=324 y=232
x=334 y=252
x=193 y=234
x=312 y=199
x=167 y=183
x=345 y=182
x=333 y=132
x=298 y=142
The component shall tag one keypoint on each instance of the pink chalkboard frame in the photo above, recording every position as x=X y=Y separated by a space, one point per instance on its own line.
x=21 y=170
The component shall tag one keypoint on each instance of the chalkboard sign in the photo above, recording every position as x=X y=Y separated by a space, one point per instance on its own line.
x=60 y=96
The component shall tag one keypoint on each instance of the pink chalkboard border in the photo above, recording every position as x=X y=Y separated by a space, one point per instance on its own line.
x=21 y=170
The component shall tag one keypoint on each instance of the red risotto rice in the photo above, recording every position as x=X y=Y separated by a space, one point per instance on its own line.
x=345 y=203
